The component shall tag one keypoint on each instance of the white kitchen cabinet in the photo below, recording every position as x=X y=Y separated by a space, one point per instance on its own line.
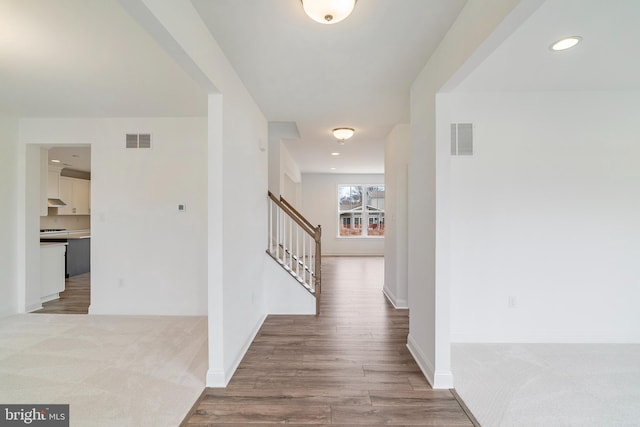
x=53 y=184
x=66 y=195
x=52 y=263
x=81 y=191
x=75 y=193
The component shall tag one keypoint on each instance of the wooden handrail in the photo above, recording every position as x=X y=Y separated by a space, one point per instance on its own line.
x=311 y=230
x=285 y=247
x=296 y=213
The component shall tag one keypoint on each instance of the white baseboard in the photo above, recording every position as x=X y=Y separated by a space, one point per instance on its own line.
x=397 y=304
x=220 y=379
x=216 y=379
x=33 y=307
x=442 y=379
x=50 y=297
x=350 y=254
x=422 y=361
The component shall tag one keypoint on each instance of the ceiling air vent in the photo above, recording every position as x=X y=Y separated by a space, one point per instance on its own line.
x=141 y=140
x=461 y=139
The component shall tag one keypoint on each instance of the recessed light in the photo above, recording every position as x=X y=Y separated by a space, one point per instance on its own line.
x=333 y=169
x=55 y=161
x=335 y=154
x=566 y=43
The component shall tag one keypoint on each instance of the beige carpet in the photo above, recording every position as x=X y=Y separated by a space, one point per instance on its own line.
x=547 y=385
x=112 y=370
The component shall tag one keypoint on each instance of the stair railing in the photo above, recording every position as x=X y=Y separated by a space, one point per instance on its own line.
x=295 y=244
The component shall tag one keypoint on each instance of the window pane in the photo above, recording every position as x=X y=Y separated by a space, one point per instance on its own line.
x=350 y=197
x=375 y=198
x=376 y=224
x=351 y=224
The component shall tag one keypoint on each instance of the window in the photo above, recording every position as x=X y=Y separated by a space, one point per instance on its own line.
x=358 y=205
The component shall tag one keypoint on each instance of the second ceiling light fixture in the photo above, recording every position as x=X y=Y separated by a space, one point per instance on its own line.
x=342 y=134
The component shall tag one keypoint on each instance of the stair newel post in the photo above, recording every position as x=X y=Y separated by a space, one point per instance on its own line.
x=318 y=262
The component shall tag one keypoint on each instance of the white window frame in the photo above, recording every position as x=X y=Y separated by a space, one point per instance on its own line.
x=359 y=217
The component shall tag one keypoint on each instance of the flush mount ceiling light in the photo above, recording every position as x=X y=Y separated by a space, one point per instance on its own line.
x=342 y=134
x=328 y=11
x=566 y=43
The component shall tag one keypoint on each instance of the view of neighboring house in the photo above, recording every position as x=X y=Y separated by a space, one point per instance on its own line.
x=358 y=205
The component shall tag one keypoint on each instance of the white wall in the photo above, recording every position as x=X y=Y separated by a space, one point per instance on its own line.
x=429 y=323
x=396 y=160
x=8 y=215
x=283 y=293
x=237 y=182
x=245 y=179
x=320 y=206
x=146 y=257
x=29 y=231
x=546 y=212
x=290 y=177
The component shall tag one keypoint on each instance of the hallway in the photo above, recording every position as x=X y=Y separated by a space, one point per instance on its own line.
x=350 y=365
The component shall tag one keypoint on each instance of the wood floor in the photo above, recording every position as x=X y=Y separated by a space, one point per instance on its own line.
x=74 y=299
x=349 y=366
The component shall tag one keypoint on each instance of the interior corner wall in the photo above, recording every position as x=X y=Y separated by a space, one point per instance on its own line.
x=237 y=131
x=29 y=231
x=8 y=215
x=290 y=177
x=545 y=237
x=320 y=206
x=244 y=198
x=429 y=303
x=275 y=170
x=396 y=160
x=147 y=258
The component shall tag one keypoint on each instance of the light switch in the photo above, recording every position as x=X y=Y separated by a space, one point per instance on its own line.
x=182 y=207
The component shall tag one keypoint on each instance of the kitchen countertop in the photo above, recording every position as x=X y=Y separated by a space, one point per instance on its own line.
x=48 y=244
x=69 y=234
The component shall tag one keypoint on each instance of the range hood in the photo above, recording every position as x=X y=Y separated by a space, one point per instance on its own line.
x=56 y=203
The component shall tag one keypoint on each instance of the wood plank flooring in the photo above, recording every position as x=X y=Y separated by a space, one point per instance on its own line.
x=75 y=299
x=348 y=366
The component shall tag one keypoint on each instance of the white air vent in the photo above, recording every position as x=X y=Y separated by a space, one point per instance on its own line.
x=135 y=140
x=461 y=139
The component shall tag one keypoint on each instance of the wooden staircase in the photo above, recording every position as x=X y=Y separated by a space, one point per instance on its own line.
x=294 y=243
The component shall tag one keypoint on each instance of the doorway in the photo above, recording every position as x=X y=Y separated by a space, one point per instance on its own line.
x=65 y=231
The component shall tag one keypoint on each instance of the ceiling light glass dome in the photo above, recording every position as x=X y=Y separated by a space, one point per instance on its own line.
x=328 y=11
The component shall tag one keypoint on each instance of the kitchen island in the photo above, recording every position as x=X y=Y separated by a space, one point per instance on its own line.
x=78 y=259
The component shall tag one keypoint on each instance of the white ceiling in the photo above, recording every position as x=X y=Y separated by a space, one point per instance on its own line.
x=356 y=73
x=87 y=58
x=76 y=157
x=608 y=58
